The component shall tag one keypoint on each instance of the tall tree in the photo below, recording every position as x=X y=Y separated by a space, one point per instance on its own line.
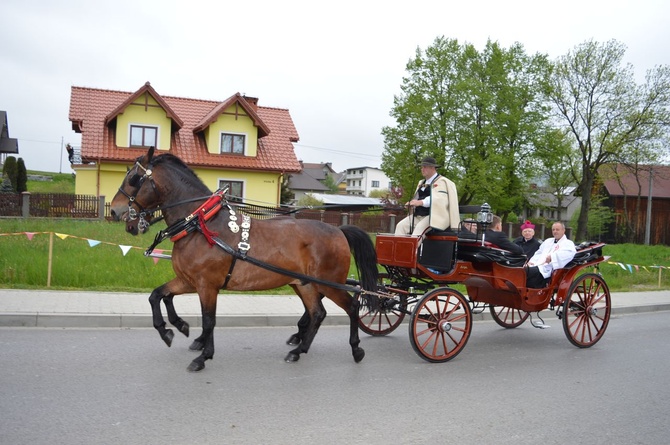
x=476 y=112
x=21 y=176
x=607 y=113
x=10 y=169
x=557 y=165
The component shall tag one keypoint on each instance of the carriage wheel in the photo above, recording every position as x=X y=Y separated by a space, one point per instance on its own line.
x=507 y=317
x=385 y=320
x=440 y=325
x=586 y=310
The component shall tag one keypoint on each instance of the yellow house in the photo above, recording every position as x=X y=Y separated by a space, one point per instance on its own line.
x=233 y=143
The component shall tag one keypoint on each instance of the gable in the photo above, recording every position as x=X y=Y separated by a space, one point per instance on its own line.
x=234 y=122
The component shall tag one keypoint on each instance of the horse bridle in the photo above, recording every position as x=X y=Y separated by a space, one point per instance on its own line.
x=133 y=214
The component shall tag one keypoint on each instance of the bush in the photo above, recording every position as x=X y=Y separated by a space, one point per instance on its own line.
x=21 y=176
x=10 y=169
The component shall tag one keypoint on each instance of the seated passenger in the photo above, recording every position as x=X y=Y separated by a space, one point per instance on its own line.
x=554 y=253
x=435 y=203
x=468 y=229
x=495 y=235
x=527 y=240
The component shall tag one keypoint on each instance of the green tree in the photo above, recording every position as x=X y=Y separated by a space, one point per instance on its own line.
x=11 y=170
x=6 y=186
x=285 y=194
x=606 y=112
x=330 y=183
x=477 y=113
x=21 y=176
x=557 y=164
x=600 y=217
x=309 y=201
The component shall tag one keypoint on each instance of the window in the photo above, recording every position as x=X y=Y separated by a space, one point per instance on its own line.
x=232 y=143
x=375 y=184
x=235 y=189
x=142 y=136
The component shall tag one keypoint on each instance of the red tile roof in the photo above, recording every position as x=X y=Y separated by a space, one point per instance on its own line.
x=90 y=108
x=629 y=181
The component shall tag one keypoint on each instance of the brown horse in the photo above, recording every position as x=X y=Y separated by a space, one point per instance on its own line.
x=216 y=248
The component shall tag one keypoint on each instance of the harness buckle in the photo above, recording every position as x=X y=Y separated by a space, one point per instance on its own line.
x=243 y=246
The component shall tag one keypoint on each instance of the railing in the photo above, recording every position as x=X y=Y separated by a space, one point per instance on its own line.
x=52 y=205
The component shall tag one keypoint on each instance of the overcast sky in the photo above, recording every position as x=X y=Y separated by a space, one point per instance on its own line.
x=335 y=65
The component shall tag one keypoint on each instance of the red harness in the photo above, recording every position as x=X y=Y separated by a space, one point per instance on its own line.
x=204 y=213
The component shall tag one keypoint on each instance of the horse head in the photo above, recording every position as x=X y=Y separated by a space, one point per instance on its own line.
x=138 y=196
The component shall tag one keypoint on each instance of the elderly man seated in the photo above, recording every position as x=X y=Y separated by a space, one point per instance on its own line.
x=554 y=253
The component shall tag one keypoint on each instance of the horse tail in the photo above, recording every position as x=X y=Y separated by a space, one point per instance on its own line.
x=365 y=257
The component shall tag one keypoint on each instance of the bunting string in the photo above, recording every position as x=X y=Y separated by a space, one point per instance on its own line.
x=91 y=242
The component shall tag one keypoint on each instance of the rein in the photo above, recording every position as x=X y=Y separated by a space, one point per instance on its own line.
x=197 y=220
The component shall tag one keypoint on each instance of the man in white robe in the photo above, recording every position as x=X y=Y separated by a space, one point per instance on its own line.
x=554 y=253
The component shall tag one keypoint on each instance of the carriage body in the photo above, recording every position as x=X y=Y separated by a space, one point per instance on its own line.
x=421 y=274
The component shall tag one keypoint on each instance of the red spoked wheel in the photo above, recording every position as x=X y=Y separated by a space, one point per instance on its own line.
x=507 y=317
x=586 y=310
x=386 y=319
x=440 y=325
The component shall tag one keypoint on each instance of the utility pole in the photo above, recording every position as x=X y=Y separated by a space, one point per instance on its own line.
x=647 y=229
x=60 y=161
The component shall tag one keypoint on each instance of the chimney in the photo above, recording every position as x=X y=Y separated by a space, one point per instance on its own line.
x=253 y=101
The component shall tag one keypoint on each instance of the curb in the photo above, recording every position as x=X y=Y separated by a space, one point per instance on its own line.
x=69 y=320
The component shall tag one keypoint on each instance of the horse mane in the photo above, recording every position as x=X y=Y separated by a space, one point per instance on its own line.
x=187 y=174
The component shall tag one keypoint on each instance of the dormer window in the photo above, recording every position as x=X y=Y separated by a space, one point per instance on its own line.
x=232 y=143
x=143 y=136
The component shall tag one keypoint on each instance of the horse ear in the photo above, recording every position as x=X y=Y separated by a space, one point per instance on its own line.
x=150 y=154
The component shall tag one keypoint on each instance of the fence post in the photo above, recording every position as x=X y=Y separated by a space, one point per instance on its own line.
x=101 y=207
x=391 y=223
x=345 y=218
x=25 y=204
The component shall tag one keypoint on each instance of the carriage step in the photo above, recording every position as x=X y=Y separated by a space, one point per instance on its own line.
x=540 y=324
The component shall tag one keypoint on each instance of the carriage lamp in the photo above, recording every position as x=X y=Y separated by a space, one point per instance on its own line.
x=484 y=216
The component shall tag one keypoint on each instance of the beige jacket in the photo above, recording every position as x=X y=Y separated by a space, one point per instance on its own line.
x=443 y=204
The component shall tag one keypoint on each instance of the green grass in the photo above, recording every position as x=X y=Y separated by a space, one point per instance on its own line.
x=60 y=183
x=77 y=265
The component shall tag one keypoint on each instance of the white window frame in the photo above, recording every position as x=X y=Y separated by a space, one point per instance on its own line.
x=130 y=134
x=230 y=133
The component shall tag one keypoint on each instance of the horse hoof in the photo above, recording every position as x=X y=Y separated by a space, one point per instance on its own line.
x=197 y=346
x=291 y=357
x=167 y=337
x=185 y=329
x=293 y=340
x=195 y=366
x=358 y=355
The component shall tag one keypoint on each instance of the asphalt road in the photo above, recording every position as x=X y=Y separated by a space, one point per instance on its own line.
x=521 y=386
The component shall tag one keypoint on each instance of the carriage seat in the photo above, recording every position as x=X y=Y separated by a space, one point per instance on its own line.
x=585 y=253
x=475 y=252
x=446 y=232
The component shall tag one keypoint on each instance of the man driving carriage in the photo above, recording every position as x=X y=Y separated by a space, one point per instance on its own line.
x=435 y=203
